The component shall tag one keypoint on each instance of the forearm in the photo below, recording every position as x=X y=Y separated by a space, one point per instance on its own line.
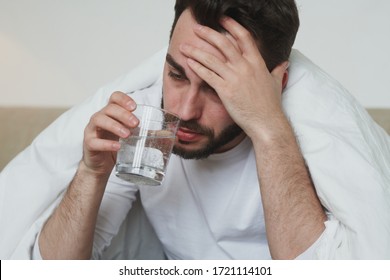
x=69 y=232
x=293 y=213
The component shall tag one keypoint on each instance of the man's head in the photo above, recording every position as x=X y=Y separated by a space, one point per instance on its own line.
x=273 y=23
x=207 y=127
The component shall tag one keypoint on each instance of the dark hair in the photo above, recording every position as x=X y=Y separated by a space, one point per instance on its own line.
x=273 y=23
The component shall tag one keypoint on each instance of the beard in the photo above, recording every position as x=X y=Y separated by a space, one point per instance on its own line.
x=213 y=144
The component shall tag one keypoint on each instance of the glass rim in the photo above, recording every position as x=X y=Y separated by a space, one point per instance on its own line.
x=158 y=108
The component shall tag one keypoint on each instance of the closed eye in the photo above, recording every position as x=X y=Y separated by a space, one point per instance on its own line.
x=176 y=76
x=176 y=71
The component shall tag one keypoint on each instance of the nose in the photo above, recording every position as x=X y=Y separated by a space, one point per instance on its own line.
x=190 y=104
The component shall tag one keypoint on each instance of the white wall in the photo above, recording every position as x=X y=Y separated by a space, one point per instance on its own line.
x=350 y=39
x=56 y=53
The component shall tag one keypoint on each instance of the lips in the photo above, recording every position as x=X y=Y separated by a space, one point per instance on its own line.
x=187 y=135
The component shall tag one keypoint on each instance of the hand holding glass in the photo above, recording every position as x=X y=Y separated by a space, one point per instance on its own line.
x=144 y=155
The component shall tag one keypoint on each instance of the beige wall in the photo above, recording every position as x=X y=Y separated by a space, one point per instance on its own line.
x=56 y=53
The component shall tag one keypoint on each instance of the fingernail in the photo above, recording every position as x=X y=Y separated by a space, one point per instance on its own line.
x=131 y=106
x=124 y=132
x=116 y=146
x=133 y=121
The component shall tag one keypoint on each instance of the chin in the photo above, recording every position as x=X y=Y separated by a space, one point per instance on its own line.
x=185 y=152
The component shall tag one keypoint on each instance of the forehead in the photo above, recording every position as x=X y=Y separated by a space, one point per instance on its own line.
x=184 y=34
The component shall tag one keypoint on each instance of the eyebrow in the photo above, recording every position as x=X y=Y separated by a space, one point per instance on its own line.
x=171 y=61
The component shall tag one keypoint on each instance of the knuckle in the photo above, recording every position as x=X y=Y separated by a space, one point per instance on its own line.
x=123 y=100
x=113 y=96
x=116 y=96
x=88 y=144
x=245 y=34
x=95 y=118
x=126 y=115
x=210 y=60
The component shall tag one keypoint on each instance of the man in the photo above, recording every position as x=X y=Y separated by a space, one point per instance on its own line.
x=239 y=186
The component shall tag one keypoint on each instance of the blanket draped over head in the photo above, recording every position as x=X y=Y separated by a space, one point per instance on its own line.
x=347 y=153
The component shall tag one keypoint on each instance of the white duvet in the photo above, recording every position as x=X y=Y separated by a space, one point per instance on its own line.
x=347 y=153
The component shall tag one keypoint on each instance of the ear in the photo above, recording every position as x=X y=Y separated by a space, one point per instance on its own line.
x=285 y=79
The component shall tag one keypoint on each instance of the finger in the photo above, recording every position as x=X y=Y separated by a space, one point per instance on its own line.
x=227 y=46
x=233 y=41
x=121 y=114
x=209 y=61
x=101 y=145
x=123 y=100
x=244 y=38
x=207 y=75
x=100 y=122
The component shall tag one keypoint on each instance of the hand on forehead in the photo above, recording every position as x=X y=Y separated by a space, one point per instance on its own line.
x=189 y=32
x=184 y=33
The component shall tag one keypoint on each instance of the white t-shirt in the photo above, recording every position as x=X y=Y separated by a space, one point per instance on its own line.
x=211 y=208
x=205 y=209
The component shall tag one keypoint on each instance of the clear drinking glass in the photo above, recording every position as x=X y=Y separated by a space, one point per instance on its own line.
x=144 y=155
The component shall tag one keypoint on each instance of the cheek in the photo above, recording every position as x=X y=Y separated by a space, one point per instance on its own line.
x=218 y=117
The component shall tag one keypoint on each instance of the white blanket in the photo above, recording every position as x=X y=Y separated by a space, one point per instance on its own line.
x=347 y=153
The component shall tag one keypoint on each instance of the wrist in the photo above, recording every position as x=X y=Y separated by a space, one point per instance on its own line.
x=91 y=177
x=92 y=172
x=275 y=131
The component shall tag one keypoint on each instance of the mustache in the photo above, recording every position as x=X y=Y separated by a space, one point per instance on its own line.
x=194 y=126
